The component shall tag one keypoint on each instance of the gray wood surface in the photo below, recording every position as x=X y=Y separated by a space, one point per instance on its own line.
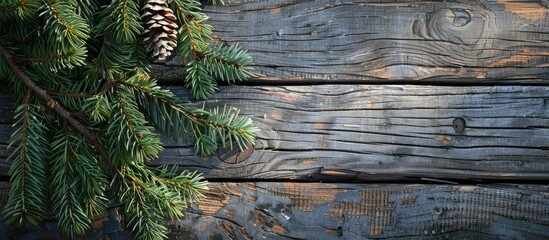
x=371 y=133
x=356 y=211
x=289 y=210
x=379 y=41
x=362 y=132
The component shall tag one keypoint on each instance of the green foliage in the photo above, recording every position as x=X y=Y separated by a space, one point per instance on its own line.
x=227 y=63
x=160 y=196
x=88 y=112
x=79 y=183
x=28 y=171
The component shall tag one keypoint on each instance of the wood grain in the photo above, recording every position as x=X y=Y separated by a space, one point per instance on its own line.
x=361 y=132
x=372 y=133
x=386 y=41
x=355 y=211
x=344 y=211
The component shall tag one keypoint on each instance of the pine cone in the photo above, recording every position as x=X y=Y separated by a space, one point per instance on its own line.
x=160 y=29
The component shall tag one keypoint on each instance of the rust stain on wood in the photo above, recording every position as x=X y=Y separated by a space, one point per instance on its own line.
x=276 y=10
x=319 y=125
x=219 y=195
x=445 y=140
x=368 y=103
x=381 y=73
x=306 y=199
x=227 y=229
x=279 y=229
x=266 y=222
x=310 y=161
x=518 y=59
x=277 y=116
x=409 y=200
x=229 y=211
x=480 y=73
x=533 y=11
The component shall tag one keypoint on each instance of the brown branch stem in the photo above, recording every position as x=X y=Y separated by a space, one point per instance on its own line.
x=53 y=104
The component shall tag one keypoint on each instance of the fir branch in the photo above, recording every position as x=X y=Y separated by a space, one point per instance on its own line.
x=227 y=62
x=152 y=194
x=130 y=137
x=169 y=113
x=121 y=22
x=27 y=198
x=79 y=86
x=19 y=8
x=199 y=80
x=194 y=31
x=118 y=39
x=52 y=103
x=63 y=24
x=72 y=217
x=53 y=60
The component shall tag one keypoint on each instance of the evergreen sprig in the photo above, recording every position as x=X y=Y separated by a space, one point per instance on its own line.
x=88 y=112
x=28 y=171
x=80 y=184
x=228 y=63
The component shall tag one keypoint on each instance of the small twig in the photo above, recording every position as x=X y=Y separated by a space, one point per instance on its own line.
x=53 y=104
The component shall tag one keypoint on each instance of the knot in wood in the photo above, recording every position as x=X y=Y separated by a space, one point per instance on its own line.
x=461 y=17
x=459 y=125
x=234 y=155
x=437 y=210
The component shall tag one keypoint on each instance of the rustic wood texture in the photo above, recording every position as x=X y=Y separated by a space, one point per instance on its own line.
x=356 y=211
x=392 y=132
x=503 y=41
x=369 y=133
x=361 y=132
x=344 y=211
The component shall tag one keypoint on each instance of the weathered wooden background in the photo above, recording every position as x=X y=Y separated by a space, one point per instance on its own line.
x=379 y=119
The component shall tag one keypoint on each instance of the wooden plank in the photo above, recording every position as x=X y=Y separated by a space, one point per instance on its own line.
x=356 y=211
x=462 y=41
x=362 y=132
x=392 y=132
x=345 y=211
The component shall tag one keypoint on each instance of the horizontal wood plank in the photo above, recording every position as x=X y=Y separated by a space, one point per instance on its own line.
x=391 y=132
x=356 y=211
x=344 y=211
x=362 y=132
x=462 y=41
